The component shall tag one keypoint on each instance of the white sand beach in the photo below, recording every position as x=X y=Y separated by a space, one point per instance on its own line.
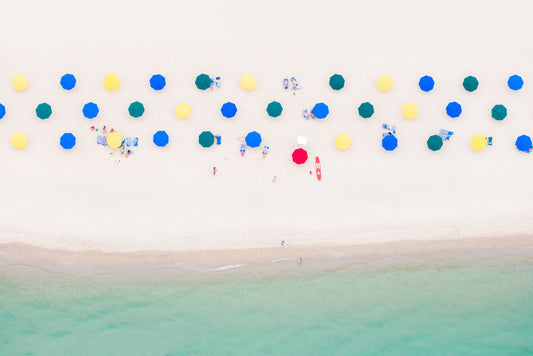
x=166 y=199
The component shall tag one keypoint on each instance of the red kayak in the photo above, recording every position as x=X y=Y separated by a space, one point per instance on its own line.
x=318 y=168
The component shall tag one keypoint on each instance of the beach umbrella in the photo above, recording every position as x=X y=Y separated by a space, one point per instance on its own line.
x=157 y=82
x=20 y=82
x=68 y=81
x=470 y=83
x=523 y=143
x=248 y=81
x=183 y=110
x=90 y=110
x=114 y=140
x=228 y=109
x=2 y=111
x=67 y=141
x=435 y=142
x=136 y=109
x=253 y=139
x=454 y=109
x=19 y=140
x=426 y=83
x=515 y=82
x=161 y=138
x=343 y=141
x=499 y=112
x=389 y=142
x=410 y=110
x=366 y=110
x=299 y=156
x=385 y=83
x=478 y=142
x=336 y=82
x=111 y=81
x=320 y=110
x=274 y=109
x=203 y=82
x=206 y=139
x=43 y=111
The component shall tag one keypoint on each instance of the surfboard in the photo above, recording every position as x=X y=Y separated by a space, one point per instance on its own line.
x=318 y=168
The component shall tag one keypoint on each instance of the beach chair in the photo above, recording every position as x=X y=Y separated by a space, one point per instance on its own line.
x=489 y=140
x=218 y=82
x=101 y=140
x=135 y=141
x=219 y=139
x=285 y=83
x=301 y=140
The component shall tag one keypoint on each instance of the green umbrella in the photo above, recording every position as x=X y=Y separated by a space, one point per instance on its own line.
x=470 y=83
x=499 y=112
x=203 y=82
x=434 y=142
x=43 y=111
x=366 y=110
x=206 y=139
x=336 y=82
x=274 y=109
x=136 y=109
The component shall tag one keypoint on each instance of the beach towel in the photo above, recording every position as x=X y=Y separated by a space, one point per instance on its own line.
x=101 y=140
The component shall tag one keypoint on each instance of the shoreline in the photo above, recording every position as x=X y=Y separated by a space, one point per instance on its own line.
x=272 y=260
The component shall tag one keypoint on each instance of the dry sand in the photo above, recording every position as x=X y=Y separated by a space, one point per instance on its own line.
x=167 y=199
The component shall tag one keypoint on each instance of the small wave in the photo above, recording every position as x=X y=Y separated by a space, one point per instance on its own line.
x=225 y=268
x=283 y=259
x=334 y=254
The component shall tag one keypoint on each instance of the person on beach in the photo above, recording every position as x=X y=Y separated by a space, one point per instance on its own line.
x=282 y=243
x=243 y=149
x=310 y=172
x=274 y=179
x=301 y=260
x=265 y=151
x=214 y=171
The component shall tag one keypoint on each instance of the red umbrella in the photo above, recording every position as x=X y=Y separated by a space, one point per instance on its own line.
x=299 y=156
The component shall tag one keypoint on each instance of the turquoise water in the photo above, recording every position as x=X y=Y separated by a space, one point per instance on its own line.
x=483 y=310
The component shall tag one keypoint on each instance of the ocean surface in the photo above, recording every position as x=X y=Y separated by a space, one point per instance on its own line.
x=424 y=310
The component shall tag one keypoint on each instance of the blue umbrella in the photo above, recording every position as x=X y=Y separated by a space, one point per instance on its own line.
x=523 y=143
x=228 y=109
x=2 y=111
x=454 y=109
x=389 y=142
x=67 y=141
x=253 y=139
x=68 y=81
x=90 y=110
x=161 y=138
x=515 y=82
x=158 y=82
x=320 y=110
x=426 y=83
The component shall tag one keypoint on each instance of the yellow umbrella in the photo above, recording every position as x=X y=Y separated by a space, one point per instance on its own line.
x=410 y=110
x=479 y=142
x=183 y=110
x=114 y=140
x=343 y=141
x=111 y=81
x=19 y=140
x=20 y=82
x=248 y=81
x=385 y=83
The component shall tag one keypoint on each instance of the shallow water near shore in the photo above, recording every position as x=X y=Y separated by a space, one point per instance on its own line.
x=474 y=308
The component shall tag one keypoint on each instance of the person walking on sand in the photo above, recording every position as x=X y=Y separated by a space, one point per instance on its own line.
x=282 y=243
x=214 y=171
